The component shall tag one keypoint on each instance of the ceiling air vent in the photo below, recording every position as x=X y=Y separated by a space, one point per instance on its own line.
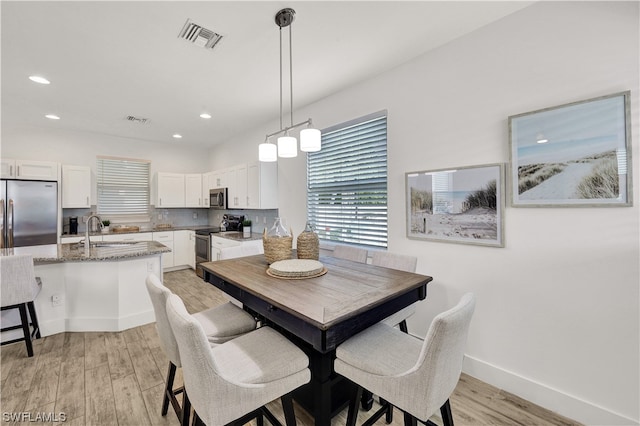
x=137 y=120
x=199 y=36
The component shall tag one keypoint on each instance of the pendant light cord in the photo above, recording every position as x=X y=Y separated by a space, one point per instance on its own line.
x=291 y=70
x=281 y=77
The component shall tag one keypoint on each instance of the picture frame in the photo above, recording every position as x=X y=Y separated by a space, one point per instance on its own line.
x=462 y=205
x=572 y=155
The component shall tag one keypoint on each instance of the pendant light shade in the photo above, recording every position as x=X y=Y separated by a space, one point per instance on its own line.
x=267 y=152
x=310 y=140
x=287 y=147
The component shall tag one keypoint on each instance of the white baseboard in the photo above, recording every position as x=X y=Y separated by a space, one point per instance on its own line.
x=540 y=394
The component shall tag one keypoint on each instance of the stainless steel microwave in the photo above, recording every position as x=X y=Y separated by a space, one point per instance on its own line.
x=218 y=199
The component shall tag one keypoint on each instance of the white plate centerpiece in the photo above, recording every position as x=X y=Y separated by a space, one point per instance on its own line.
x=296 y=269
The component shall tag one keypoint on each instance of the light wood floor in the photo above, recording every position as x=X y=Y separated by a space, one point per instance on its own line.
x=103 y=378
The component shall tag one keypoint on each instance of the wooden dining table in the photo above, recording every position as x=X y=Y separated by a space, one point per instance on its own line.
x=319 y=313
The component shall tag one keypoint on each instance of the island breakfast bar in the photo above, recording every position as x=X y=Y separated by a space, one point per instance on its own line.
x=99 y=289
x=319 y=313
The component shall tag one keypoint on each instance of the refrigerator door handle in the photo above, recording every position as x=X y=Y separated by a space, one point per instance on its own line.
x=2 y=222
x=10 y=224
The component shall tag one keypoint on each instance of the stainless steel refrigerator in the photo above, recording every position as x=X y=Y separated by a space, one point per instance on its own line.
x=29 y=211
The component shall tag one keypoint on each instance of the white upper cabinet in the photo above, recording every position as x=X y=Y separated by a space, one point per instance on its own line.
x=170 y=190
x=207 y=181
x=219 y=179
x=193 y=190
x=237 y=187
x=8 y=168
x=262 y=185
x=76 y=186
x=30 y=170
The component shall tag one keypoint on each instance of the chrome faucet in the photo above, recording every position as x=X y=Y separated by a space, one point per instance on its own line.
x=87 y=242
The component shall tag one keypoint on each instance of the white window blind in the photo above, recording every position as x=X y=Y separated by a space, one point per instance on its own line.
x=123 y=187
x=347 y=183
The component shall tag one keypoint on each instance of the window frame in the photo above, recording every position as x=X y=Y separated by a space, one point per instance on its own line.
x=372 y=231
x=120 y=217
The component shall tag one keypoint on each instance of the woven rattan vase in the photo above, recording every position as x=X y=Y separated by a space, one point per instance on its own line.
x=278 y=243
x=308 y=244
x=276 y=248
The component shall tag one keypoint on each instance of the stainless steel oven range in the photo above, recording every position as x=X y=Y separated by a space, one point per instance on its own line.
x=203 y=239
x=203 y=247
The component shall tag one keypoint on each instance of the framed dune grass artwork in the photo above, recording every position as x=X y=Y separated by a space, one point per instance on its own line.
x=573 y=155
x=462 y=205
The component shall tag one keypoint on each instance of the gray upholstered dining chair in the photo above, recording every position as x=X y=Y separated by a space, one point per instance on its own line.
x=413 y=375
x=402 y=263
x=355 y=254
x=231 y=383
x=220 y=324
x=19 y=289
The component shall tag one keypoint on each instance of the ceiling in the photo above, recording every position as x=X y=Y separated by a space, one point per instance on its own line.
x=112 y=59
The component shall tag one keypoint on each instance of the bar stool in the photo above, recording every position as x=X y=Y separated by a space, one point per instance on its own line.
x=402 y=263
x=231 y=383
x=355 y=254
x=413 y=375
x=220 y=324
x=19 y=288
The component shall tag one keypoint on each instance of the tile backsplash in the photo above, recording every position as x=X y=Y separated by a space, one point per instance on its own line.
x=260 y=219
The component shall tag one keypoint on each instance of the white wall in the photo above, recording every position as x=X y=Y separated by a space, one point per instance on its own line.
x=557 y=317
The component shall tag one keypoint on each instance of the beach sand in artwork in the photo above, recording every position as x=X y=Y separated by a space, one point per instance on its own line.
x=568 y=180
x=477 y=223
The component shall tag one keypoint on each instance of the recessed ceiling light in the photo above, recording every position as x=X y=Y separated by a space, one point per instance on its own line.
x=177 y=136
x=52 y=117
x=38 y=79
x=205 y=115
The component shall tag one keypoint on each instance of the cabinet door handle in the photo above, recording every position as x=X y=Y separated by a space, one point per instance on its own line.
x=87 y=200
x=17 y=170
x=10 y=170
x=160 y=201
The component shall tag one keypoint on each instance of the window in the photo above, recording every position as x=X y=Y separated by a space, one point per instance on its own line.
x=123 y=188
x=347 y=183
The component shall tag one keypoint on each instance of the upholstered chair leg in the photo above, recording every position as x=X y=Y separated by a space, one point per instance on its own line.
x=34 y=320
x=352 y=414
x=287 y=408
x=403 y=326
x=367 y=400
x=409 y=420
x=186 y=409
x=260 y=419
x=389 y=412
x=168 y=391
x=445 y=411
x=25 y=328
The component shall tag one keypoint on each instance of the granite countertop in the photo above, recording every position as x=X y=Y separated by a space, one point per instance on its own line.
x=75 y=252
x=155 y=229
x=237 y=236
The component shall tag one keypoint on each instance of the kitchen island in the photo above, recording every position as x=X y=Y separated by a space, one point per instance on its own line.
x=97 y=289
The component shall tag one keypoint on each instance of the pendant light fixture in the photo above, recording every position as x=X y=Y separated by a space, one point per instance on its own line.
x=287 y=145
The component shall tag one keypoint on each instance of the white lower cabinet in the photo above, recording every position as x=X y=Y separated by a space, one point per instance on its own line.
x=223 y=248
x=184 y=244
x=166 y=238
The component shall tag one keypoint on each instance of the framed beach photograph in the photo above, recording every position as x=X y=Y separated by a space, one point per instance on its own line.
x=462 y=205
x=573 y=155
